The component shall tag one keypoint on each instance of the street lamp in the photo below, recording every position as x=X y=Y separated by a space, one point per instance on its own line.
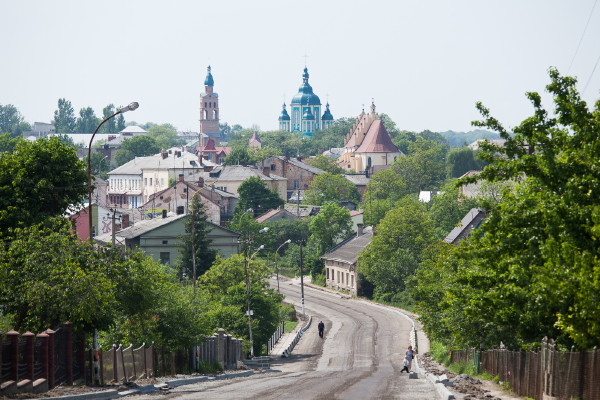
x=249 y=311
x=131 y=107
x=276 y=261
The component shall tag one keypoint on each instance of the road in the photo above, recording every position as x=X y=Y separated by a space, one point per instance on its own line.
x=360 y=357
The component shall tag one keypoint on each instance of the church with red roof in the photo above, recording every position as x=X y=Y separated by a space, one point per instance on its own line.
x=368 y=145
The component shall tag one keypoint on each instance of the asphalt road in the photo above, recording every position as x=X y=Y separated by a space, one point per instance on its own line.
x=360 y=357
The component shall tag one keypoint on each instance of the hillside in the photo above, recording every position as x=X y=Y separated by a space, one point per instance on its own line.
x=458 y=139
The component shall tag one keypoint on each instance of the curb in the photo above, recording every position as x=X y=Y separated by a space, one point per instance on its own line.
x=114 y=394
x=287 y=352
x=440 y=388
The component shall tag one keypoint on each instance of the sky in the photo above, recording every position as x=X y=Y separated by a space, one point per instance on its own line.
x=424 y=63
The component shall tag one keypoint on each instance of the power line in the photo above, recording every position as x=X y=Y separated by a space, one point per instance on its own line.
x=582 y=35
x=592 y=74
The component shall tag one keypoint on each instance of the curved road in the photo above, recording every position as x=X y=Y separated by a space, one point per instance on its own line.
x=360 y=357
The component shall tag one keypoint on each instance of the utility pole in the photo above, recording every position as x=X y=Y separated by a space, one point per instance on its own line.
x=301 y=278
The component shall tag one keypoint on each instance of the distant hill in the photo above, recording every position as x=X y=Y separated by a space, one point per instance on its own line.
x=458 y=139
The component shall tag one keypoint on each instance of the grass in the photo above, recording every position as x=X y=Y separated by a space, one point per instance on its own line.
x=289 y=326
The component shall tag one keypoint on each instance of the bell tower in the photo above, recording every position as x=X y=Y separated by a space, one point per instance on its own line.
x=209 y=110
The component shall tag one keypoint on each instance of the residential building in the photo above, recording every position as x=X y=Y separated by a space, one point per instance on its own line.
x=212 y=153
x=306 y=111
x=229 y=178
x=274 y=215
x=161 y=238
x=471 y=221
x=218 y=205
x=299 y=174
x=341 y=261
x=360 y=181
x=132 y=183
x=254 y=141
x=368 y=146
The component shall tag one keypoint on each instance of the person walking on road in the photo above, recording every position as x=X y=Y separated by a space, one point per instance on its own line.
x=409 y=355
x=321 y=327
x=406 y=365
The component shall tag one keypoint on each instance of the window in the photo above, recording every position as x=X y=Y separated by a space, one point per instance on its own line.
x=327 y=271
x=162 y=182
x=150 y=181
x=165 y=242
x=273 y=167
x=296 y=184
x=145 y=181
x=165 y=257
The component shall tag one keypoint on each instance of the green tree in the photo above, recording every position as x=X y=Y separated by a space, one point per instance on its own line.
x=109 y=126
x=424 y=167
x=64 y=117
x=195 y=245
x=254 y=194
x=120 y=122
x=531 y=271
x=165 y=136
x=461 y=160
x=327 y=164
x=39 y=180
x=99 y=164
x=329 y=226
x=448 y=208
x=87 y=121
x=123 y=156
x=8 y=142
x=141 y=146
x=383 y=190
x=394 y=253
x=330 y=188
x=11 y=121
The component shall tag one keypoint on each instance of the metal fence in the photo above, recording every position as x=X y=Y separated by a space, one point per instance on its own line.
x=543 y=374
x=275 y=337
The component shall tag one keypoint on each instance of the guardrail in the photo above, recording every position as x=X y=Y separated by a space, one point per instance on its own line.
x=286 y=353
x=275 y=337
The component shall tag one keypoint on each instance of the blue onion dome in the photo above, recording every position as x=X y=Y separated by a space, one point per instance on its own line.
x=209 y=81
x=327 y=114
x=284 y=114
x=308 y=115
x=305 y=94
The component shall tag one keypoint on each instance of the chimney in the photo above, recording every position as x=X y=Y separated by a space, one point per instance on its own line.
x=164 y=213
x=359 y=230
x=164 y=154
x=124 y=221
x=201 y=182
x=267 y=171
x=180 y=177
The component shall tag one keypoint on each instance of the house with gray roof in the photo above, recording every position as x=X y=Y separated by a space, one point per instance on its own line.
x=161 y=237
x=341 y=261
x=299 y=174
x=471 y=221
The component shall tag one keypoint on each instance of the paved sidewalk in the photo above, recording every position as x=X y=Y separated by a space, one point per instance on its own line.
x=285 y=340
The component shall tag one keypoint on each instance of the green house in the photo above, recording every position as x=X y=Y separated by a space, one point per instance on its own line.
x=161 y=238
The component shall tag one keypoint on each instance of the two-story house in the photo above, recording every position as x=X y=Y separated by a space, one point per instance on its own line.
x=299 y=174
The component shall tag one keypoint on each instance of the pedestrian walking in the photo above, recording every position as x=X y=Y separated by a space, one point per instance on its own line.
x=409 y=355
x=321 y=327
x=406 y=365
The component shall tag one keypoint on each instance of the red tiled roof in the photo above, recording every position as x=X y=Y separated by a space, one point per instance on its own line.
x=377 y=140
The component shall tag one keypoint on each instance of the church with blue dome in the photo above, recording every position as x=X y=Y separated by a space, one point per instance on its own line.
x=306 y=109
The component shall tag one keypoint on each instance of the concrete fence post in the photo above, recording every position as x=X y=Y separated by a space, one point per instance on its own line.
x=29 y=356
x=221 y=347
x=13 y=339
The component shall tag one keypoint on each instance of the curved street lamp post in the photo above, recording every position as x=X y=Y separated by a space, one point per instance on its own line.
x=277 y=261
x=131 y=107
x=247 y=260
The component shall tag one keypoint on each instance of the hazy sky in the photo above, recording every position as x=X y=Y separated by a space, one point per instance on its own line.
x=425 y=63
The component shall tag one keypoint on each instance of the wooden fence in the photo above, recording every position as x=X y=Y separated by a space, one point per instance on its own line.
x=37 y=363
x=542 y=375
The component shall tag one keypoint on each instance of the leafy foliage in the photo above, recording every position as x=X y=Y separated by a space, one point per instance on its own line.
x=11 y=121
x=254 y=194
x=328 y=187
x=327 y=164
x=39 y=180
x=64 y=117
x=532 y=269
x=330 y=225
x=197 y=229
